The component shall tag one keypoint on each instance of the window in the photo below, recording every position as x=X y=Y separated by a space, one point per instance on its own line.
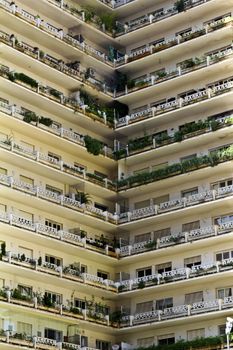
x=141 y=171
x=195 y=333
x=227 y=254
x=221 y=329
x=157 y=42
x=54 y=297
x=144 y=307
x=221 y=183
x=3 y=171
x=145 y=271
x=164 y=303
x=3 y=208
x=103 y=274
x=159 y=166
x=143 y=237
x=57 y=226
x=98 y=173
x=145 y=342
x=163 y=267
x=53 y=260
x=102 y=309
x=26 y=180
x=25 y=290
x=54 y=156
x=193 y=261
x=224 y=293
x=162 y=233
x=166 y=339
x=79 y=303
x=101 y=206
x=184 y=31
x=83 y=269
x=161 y=199
x=26 y=251
x=24 y=328
x=55 y=190
x=142 y=204
x=26 y=215
x=103 y=345
x=53 y=334
x=189 y=192
x=2 y=283
x=27 y=145
x=138 y=48
x=80 y=167
x=192 y=298
x=191 y=156
x=223 y=219
x=217 y=18
x=189 y=226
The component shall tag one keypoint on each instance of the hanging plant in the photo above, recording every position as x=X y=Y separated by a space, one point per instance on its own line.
x=93 y=146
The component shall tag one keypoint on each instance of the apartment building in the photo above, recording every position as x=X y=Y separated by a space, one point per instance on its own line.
x=116 y=183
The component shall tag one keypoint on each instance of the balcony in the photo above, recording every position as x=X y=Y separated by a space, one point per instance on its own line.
x=41 y=306
x=33 y=20
x=150 y=142
x=176 y=40
x=178 y=103
x=60 y=200
x=40 y=343
x=176 y=239
x=183 y=70
x=54 y=95
x=75 y=75
x=46 y=124
x=72 y=239
x=213 y=159
x=175 y=275
x=64 y=273
x=155 y=17
x=176 y=312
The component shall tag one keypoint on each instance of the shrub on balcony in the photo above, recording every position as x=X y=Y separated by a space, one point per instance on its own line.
x=163 y=138
x=116 y=317
x=26 y=79
x=120 y=154
x=46 y=121
x=55 y=93
x=29 y=117
x=93 y=146
x=139 y=143
x=16 y=294
x=141 y=285
x=3 y=250
x=108 y=20
x=83 y=198
x=46 y=301
x=180 y=5
x=89 y=13
x=150 y=245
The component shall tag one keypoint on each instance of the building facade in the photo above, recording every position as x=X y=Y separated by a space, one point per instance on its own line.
x=116 y=175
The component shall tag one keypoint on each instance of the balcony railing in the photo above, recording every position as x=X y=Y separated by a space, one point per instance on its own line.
x=137 y=319
x=178 y=103
x=63 y=272
x=61 y=235
x=55 y=32
x=175 y=204
x=176 y=40
x=175 y=275
x=62 y=200
x=35 y=342
x=55 y=63
x=55 y=95
x=154 y=17
x=176 y=312
x=183 y=68
x=150 y=142
x=212 y=159
x=175 y=239
x=63 y=310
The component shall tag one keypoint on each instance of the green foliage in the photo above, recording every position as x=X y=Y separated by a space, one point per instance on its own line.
x=46 y=121
x=108 y=20
x=46 y=301
x=83 y=198
x=29 y=117
x=55 y=93
x=188 y=345
x=89 y=13
x=93 y=146
x=180 y=5
x=141 y=285
x=185 y=166
x=26 y=79
x=150 y=245
x=139 y=143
